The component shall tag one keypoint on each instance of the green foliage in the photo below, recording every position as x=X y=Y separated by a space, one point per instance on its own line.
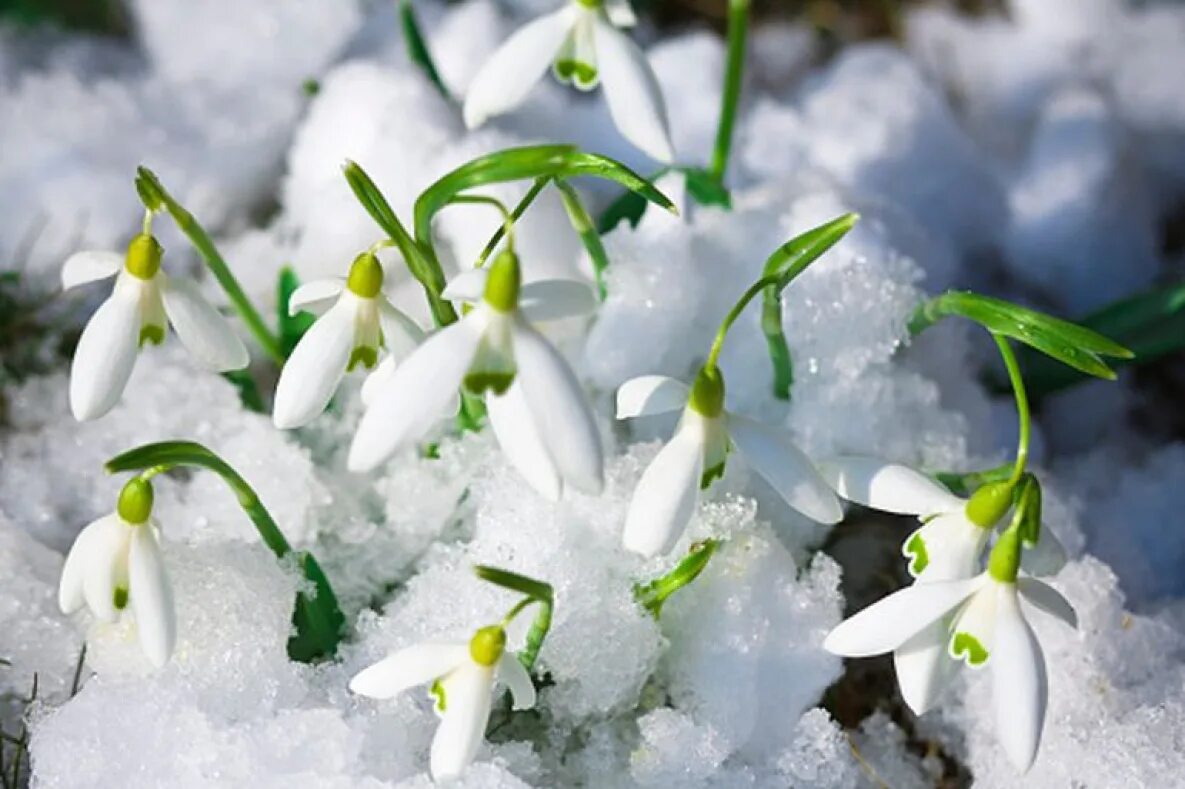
x=417 y=46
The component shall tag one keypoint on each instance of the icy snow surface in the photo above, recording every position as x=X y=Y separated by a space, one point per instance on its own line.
x=1035 y=157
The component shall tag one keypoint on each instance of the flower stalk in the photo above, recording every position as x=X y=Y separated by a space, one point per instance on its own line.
x=734 y=72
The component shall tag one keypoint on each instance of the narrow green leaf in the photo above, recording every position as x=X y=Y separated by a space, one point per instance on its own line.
x=704 y=189
x=793 y=257
x=292 y=327
x=582 y=223
x=417 y=46
x=248 y=390
x=537 y=590
x=654 y=594
x=629 y=207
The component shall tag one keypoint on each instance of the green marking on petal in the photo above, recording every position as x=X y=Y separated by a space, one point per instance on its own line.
x=151 y=333
x=363 y=355
x=919 y=556
x=711 y=475
x=499 y=382
x=120 y=598
x=965 y=646
x=437 y=690
x=582 y=75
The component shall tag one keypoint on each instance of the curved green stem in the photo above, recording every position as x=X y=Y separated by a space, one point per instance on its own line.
x=653 y=594
x=586 y=228
x=317 y=618
x=201 y=241
x=734 y=72
x=536 y=592
x=775 y=339
x=1022 y=406
x=515 y=215
x=733 y=314
x=505 y=231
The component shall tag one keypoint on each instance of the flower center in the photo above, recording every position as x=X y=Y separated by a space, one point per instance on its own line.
x=487 y=645
x=503 y=282
x=366 y=276
x=135 y=501
x=707 y=393
x=143 y=257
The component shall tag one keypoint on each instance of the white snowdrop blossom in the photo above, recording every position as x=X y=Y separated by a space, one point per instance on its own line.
x=356 y=319
x=668 y=492
x=948 y=546
x=117 y=561
x=536 y=405
x=985 y=625
x=461 y=677
x=143 y=302
x=584 y=46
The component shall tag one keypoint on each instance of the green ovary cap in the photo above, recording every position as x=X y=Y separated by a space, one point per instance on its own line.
x=989 y=504
x=594 y=4
x=503 y=282
x=707 y=393
x=487 y=645
x=143 y=258
x=366 y=276
x=135 y=501
x=1004 y=562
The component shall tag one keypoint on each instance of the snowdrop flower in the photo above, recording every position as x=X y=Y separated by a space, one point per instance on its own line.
x=667 y=494
x=462 y=678
x=987 y=626
x=948 y=546
x=116 y=560
x=536 y=406
x=355 y=320
x=143 y=301
x=584 y=46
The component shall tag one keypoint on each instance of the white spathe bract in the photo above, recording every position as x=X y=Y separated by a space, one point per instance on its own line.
x=114 y=563
x=668 y=492
x=143 y=302
x=987 y=627
x=536 y=405
x=350 y=330
x=583 y=45
x=462 y=677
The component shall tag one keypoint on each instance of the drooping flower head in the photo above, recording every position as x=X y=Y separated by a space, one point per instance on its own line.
x=583 y=45
x=356 y=320
x=115 y=562
x=461 y=677
x=696 y=455
x=142 y=304
x=536 y=405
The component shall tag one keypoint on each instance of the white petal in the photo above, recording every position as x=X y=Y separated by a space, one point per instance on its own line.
x=415 y=665
x=512 y=674
x=889 y=487
x=1019 y=684
x=377 y=378
x=556 y=299
x=315 y=297
x=889 y=623
x=151 y=596
x=791 y=473
x=650 y=394
x=514 y=427
x=90 y=266
x=315 y=368
x=467 y=697
x=207 y=335
x=104 y=567
x=1047 y=557
x=106 y=354
x=409 y=403
x=559 y=409
x=1043 y=596
x=665 y=498
x=923 y=667
x=70 y=593
x=469 y=285
x=620 y=13
x=632 y=91
x=508 y=76
x=401 y=335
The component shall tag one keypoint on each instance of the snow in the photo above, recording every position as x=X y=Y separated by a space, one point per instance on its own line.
x=1034 y=156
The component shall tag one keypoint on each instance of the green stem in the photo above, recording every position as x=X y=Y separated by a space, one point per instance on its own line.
x=317 y=618
x=514 y=216
x=505 y=231
x=734 y=313
x=536 y=636
x=775 y=338
x=201 y=241
x=1022 y=406
x=586 y=228
x=734 y=71
x=652 y=595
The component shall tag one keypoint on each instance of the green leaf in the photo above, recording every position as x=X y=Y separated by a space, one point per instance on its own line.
x=292 y=327
x=582 y=223
x=1069 y=343
x=704 y=189
x=654 y=594
x=248 y=390
x=417 y=47
x=318 y=619
x=536 y=590
x=793 y=257
x=629 y=207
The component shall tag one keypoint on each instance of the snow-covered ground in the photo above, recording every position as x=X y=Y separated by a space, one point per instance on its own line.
x=1036 y=158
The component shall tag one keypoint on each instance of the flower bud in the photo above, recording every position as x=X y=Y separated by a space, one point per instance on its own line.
x=143 y=258
x=502 y=285
x=366 y=276
x=487 y=645
x=989 y=504
x=135 y=501
x=707 y=393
